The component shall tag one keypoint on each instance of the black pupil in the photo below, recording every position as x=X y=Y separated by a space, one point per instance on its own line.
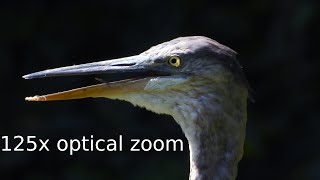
x=173 y=60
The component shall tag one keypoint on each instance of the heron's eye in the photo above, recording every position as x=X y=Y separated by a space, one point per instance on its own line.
x=174 y=61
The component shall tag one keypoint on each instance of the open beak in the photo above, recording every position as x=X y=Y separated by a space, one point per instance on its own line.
x=138 y=64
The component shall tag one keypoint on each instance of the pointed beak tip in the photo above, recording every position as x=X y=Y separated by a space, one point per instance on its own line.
x=26 y=77
x=34 y=98
x=29 y=99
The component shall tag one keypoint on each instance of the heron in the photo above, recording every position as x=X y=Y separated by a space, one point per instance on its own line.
x=196 y=80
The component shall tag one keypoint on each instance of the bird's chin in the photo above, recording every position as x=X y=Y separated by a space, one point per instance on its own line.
x=165 y=82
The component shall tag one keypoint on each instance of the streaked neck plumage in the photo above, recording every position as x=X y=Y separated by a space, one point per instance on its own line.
x=215 y=129
x=213 y=121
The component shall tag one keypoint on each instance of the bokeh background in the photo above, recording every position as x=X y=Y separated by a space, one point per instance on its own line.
x=277 y=44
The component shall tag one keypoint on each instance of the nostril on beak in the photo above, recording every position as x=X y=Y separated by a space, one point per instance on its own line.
x=124 y=64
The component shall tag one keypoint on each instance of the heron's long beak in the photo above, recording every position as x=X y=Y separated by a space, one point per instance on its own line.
x=129 y=64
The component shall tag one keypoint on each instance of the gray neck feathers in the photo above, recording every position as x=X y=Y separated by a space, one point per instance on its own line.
x=214 y=125
x=213 y=118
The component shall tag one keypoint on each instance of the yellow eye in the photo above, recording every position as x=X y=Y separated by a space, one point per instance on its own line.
x=174 y=61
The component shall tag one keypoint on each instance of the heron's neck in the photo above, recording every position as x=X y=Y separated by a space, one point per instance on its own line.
x=215 y=129
x=212 y=119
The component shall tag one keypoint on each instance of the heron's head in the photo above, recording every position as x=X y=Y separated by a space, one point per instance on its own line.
x=180 y=68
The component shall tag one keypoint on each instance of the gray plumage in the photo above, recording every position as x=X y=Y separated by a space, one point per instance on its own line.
x=206 y=95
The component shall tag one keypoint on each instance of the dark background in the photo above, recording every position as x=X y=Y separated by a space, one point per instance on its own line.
x=277 y=44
